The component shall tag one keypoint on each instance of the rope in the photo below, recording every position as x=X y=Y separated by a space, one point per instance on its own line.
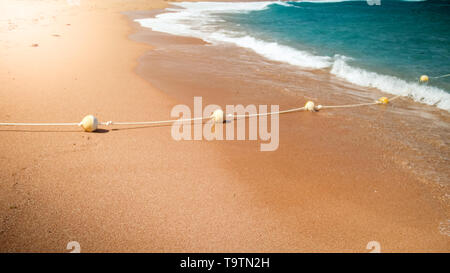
x=152 y=122
x=38 y=124
x=266 y=114
x=442 y=76
x=348 y=105
x=356 y=105
x=194 y=119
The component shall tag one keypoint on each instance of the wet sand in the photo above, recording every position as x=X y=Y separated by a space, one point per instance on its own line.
x=337 y=181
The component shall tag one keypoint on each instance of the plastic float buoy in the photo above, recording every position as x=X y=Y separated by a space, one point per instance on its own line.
x=89 y=123
x=310 y=106
x=383 y=100
x=424 y=79
x=218 y=116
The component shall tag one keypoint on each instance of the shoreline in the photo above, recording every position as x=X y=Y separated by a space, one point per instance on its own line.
x=138 y=190
x=167 y=41
x=227 y=32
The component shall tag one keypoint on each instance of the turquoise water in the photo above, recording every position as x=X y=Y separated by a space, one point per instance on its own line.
x=387 y=46
x=399 y=38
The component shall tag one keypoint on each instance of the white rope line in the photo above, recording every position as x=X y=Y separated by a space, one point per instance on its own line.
x=348 y=105
x=267 y=114
x=193 y=119
x=38 y=124
x=152 y=122
x=443 y=76
x=357 y=105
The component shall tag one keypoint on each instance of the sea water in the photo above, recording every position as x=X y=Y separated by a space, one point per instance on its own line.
x=386 y=46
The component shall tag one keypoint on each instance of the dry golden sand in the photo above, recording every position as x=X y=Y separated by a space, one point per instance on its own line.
x=139 y=190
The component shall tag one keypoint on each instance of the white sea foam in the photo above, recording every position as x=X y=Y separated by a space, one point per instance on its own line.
x=201 y=20
x=393 y=85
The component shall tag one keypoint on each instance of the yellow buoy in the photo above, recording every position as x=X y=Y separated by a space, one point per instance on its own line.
x=89 y=123
x=383 y=100
x=218 y=116
x=310 y=106
x=424 y=79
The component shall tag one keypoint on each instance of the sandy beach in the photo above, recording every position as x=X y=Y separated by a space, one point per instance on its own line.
x=337 y=181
